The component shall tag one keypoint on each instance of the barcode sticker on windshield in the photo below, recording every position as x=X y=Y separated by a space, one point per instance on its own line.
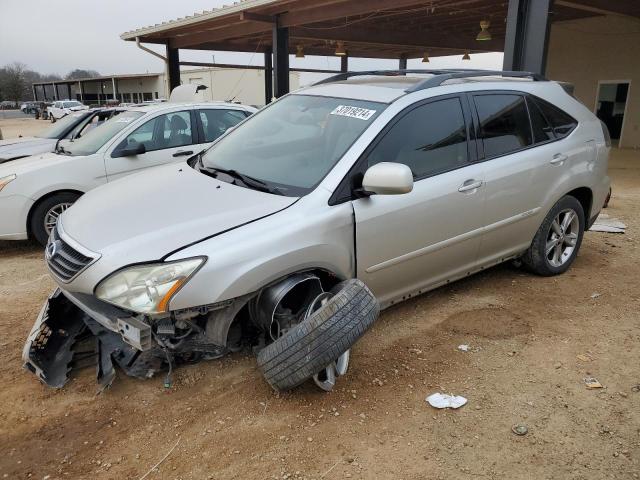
x=353 y=112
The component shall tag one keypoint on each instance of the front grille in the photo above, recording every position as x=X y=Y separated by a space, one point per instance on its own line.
x=63 y=260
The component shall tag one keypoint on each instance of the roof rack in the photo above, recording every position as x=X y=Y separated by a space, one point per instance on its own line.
x=438 y=78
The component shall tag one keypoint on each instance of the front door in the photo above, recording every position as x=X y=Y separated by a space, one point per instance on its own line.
x=407 y=243
x=170 y=137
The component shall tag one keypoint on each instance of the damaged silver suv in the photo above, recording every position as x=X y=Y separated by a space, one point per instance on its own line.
x=292 y=231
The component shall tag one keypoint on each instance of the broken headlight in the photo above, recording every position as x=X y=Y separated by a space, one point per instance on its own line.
x=147 y=288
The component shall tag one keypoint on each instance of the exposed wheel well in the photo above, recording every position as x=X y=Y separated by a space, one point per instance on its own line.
x=585 y=196
x=42 y=199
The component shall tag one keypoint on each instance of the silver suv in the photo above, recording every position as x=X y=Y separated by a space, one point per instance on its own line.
x=293 y=230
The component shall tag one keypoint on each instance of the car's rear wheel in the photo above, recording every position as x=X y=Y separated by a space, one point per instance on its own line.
x=557 y=241
x=46 y=214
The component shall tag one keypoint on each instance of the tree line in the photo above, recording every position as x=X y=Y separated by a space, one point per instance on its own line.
x=16 y=79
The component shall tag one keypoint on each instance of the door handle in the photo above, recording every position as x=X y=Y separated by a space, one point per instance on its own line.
x=183 y=153
x=559 y=159
x=470 y=185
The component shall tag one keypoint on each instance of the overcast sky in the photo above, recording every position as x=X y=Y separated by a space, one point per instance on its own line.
x=56 y=36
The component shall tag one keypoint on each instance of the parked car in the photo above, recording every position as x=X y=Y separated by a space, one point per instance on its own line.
x=69 y=128
x=290 y=232
x=60 y=108
x=35 y=190
x=29 y=107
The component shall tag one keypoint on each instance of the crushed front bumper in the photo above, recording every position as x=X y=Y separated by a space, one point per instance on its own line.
x=65 y=338
x=72 y=332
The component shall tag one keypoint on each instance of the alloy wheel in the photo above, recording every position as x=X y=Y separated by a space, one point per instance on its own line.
x=51 y=217
x=562 y=237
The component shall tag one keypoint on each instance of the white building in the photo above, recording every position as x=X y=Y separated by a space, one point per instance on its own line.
x=226 y=84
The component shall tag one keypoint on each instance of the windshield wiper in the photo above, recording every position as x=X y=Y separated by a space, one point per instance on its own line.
x=248 y=180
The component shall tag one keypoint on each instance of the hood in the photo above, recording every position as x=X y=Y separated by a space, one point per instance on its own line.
x=25 y=146
x=145 y=216
x=80 y=107
x=22 y=166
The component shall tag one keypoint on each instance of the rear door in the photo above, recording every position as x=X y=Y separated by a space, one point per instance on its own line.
x=408 y=242
x=523 y=158
x=169 y=137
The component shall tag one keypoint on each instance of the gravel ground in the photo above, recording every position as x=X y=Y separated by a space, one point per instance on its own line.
x=532 y=342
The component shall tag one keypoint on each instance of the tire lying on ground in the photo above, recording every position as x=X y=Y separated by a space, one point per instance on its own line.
x=319 y=340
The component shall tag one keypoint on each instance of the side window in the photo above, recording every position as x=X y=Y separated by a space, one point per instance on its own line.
x=562 y=123
x=217 y=121
x=504 y=123
x=164 y=131
x=430 y=139
x=542 y=131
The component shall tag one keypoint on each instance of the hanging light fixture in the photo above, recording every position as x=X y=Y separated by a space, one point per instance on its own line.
x=484 y=33
x=466 y=55
x=425 y=58
x=300 y=51
x=340 y=50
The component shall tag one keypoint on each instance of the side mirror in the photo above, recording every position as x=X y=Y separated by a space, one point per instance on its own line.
x=388 y=178
x=131 y=150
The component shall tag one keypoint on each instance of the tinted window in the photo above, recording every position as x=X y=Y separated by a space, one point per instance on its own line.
x=429 y=139
x=504 y=123
x=164 y=131
x=542 y=131
x=561 y=122
x=216 y=122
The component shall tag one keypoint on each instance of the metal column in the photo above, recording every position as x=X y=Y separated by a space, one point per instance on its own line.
x=35 y=93
x=268 y=77
x=114 y=88
x=173 y=68
x=527 y=38
x=344 y=64
x=68 y=91
x=55 y=91
x=280 y=59
x=402 y=63
x=81 y=89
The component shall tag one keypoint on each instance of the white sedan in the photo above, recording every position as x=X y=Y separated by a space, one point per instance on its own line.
x=35 y=190
x=62 y=108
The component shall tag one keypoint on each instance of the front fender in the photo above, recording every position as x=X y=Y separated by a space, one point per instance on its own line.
x=246 y=259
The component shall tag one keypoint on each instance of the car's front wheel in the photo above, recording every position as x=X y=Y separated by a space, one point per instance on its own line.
x=46 y=213
x=557 y=241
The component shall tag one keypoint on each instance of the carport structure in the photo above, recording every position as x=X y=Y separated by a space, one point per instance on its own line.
x=401 y=29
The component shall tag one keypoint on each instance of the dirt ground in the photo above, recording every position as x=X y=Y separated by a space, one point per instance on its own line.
x=23 y=126
x=532 y=342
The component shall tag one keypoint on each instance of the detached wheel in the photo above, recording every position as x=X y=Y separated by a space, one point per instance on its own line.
x=318 y=346
x=46 y=214
x=557 y=241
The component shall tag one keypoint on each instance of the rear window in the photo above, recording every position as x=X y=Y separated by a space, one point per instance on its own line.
x=561 y=122
x=542 y=131
x=504 y=123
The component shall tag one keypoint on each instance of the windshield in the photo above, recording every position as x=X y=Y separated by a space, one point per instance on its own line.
x=57 y=130
x=294 y=143
x=93 y=140
x=71 y=104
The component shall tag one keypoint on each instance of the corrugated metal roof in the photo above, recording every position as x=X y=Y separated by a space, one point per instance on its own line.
x=236 y=7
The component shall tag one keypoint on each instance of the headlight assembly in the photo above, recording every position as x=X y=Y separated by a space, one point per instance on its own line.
x=147 y=288
x=4 y=181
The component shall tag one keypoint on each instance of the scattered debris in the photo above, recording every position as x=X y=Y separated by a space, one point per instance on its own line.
x=584 y=358
x=417 y=351
x=557 y=365
x=442 y=400
x=605 y=223
x=635 y=388
x=163 y=459
x=463 y=348
x=520 y=430
x=596 y=295
x=592 y=383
